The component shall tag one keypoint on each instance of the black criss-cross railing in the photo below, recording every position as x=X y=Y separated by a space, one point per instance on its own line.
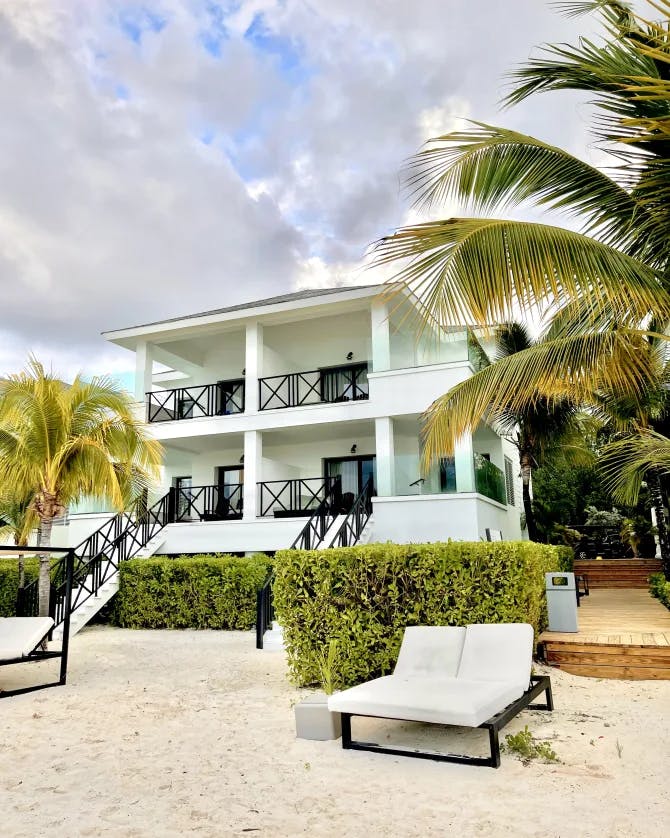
x=220 y=399
x=97 y=559
x=206 y=503
x=314 y=531
x=296 y=497
x=328 y=384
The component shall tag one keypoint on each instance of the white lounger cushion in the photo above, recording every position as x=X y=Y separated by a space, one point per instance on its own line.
x=430 y=651
x=435 y=681
x=19 y=636
x=498 y=652
x=447 y=701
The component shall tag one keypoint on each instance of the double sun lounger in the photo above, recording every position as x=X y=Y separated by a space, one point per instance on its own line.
x=20 y=642
x=478 y=676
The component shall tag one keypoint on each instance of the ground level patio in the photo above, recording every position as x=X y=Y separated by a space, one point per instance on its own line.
x=163 y=733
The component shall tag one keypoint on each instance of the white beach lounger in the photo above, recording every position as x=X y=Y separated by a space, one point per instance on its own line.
x=478 y=676
x=20 y=636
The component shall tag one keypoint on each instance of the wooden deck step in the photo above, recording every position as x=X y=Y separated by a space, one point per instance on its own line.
x=618 y=573
x=623 y=633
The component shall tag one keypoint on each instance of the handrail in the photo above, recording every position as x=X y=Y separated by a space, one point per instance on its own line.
x=328 y=384
x=265 y=612
x=321 y=519
x=90 y=572
x=349 y=531
x=218 y=399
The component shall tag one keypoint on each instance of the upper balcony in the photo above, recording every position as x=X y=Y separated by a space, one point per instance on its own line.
x=220 y=399
x=322 y=386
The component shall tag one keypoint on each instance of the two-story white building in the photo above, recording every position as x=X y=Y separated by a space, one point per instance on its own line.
x=266 y=408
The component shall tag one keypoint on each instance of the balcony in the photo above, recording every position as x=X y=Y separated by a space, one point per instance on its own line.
x=325 y=385
x=205 y=503
x=220 y=399
x=293 y=498
x=489 y=480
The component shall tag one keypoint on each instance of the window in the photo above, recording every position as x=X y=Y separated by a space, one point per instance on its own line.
x=509 y=481
x=447 y=474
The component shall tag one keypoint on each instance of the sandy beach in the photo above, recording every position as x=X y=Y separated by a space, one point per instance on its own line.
x=191 y=733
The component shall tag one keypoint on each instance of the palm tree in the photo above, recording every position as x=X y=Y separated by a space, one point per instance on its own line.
x=18 y=521
x=67 y=442
x=604 y=287
x=536 y=427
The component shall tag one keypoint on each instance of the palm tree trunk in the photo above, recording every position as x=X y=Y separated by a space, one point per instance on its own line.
x=654 y=484
x=526 y=472
x=44 y=585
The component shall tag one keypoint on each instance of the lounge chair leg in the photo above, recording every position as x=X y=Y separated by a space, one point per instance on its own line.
x=495 y=747
x=550 y=697
x=346 y=730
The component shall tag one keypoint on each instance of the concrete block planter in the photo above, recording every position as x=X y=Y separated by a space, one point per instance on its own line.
x=313 y=719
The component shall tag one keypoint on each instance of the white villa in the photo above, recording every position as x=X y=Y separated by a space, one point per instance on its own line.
x=268 y=407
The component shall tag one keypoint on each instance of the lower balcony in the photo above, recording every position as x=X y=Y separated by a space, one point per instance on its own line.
x=206 y=503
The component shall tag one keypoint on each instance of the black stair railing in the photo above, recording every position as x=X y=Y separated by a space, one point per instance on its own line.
x=349 y=532
x=265 y=611
x=118 y=540
x=314 y=531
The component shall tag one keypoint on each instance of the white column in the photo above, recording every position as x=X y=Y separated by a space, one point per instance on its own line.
x=144 y=367
x=381 y=339
x=253 y=365
x=385 y=452
x=656 y=538
x=253 y=453
x=465 y=466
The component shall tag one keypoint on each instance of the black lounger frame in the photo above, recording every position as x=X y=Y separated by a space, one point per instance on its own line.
x=538 y=684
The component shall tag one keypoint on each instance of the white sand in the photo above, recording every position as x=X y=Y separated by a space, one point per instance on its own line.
x=192 y=733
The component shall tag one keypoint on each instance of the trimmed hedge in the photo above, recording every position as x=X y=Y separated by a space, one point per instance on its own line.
x=9 y=583
x=361 y=598
x=201 y=592
x=566 y=558
x=659 y=587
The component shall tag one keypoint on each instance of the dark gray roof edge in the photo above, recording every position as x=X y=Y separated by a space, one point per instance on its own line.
x=306 y=294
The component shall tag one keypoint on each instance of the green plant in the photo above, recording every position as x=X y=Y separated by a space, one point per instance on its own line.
x=603 y=518
x=326 y=664
x=527 y=748
x=362 y=598
x=202 y=592
x=638 y=531
x=659 y=587
x=9 y=583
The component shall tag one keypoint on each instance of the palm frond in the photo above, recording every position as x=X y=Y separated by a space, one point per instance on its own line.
x=625 y=463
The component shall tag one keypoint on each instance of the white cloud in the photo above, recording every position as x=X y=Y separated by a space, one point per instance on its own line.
x=142 y=180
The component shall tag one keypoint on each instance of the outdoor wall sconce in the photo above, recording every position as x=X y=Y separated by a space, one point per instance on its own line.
x=350 y=355
x=353 y=448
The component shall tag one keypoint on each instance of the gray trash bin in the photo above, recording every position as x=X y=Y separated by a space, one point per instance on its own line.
x=561 y=601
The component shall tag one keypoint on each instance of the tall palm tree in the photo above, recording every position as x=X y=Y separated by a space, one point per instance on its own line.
x=67 y=442
x=535 y=427
x=603 y=287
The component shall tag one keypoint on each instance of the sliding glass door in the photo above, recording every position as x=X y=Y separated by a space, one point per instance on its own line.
x=354 y=472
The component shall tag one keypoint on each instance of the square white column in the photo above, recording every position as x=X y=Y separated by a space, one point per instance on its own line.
x=381 y=338
x=144 y=367
x=253 y=365
x=465 y=464
x=253 y=453
x=385 y=453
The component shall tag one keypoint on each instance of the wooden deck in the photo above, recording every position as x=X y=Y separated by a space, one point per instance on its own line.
x=623 y=633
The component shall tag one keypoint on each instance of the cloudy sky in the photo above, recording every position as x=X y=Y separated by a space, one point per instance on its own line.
x=172 y=156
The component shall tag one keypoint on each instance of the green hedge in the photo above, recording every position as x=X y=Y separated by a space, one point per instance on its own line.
x=9 y=583
x=202 y=592
x=659 y=587
x=361 y=598
x=566 y=558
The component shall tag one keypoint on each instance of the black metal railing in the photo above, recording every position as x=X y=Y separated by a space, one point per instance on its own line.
x=328 y=384
x=350 y=530
x=206 y=503
x=314 y=531
x=93 y=569
x=265 y=611
x=220 y=399
x=292 y=498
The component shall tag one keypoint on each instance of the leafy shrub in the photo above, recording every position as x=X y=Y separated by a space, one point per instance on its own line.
x=363 y=598
x=565 y=558
x=527 y=748
x=603 y=518
x=659 y=587
x=201 y=592
x=9 y=583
